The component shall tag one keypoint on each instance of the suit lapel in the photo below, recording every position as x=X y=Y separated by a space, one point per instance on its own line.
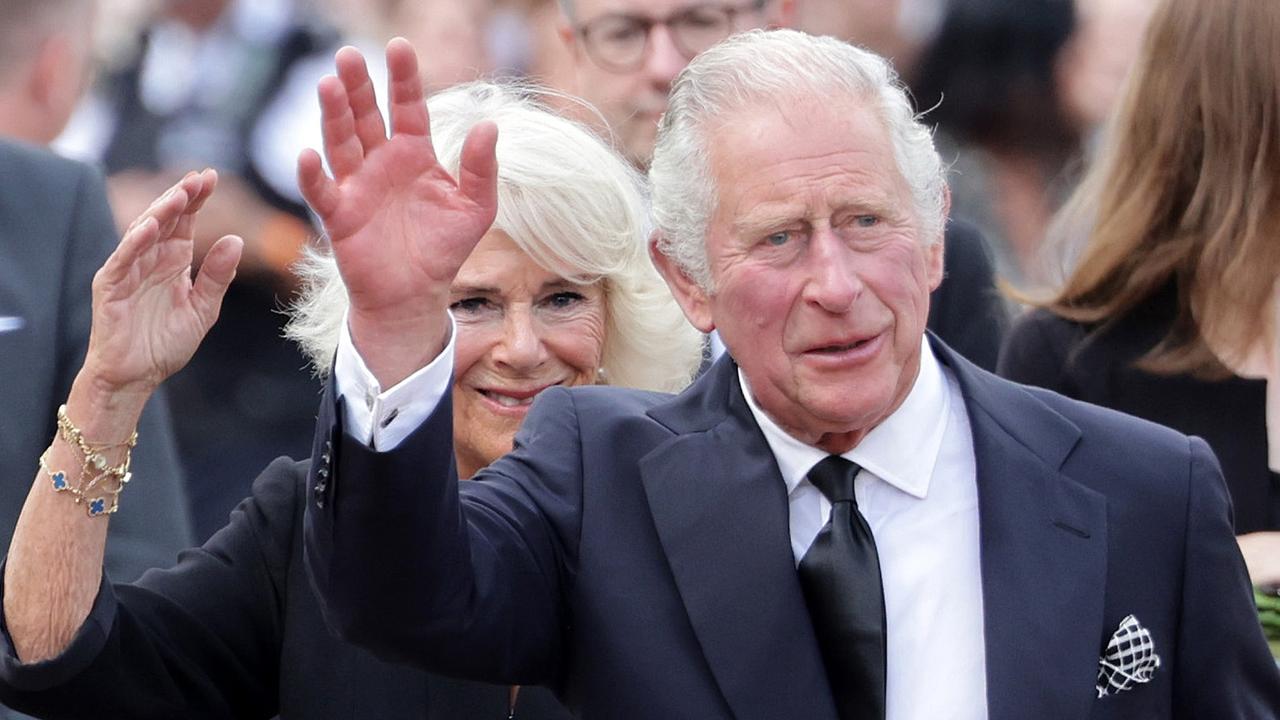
x=1043 y=543
x=720 y=509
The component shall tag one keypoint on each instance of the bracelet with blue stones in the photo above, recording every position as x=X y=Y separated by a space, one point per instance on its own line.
x=99 y=484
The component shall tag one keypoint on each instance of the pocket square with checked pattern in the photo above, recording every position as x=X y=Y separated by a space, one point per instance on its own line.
x=1130 y=659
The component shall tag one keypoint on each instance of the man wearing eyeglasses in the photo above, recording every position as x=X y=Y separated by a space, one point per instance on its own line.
x=626 y=53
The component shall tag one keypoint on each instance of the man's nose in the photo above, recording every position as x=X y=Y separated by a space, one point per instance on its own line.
x=663 y=60
x=833 y=282
x=521 y=347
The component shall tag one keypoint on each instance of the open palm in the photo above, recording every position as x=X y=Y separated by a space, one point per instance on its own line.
x=148 y=314
x=400 y=225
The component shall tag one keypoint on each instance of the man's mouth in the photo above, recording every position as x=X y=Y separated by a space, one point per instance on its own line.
x=844 y=347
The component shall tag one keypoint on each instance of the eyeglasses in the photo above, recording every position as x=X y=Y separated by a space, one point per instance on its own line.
x=617 y=42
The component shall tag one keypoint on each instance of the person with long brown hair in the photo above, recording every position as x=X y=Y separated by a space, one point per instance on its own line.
x=1172 y=309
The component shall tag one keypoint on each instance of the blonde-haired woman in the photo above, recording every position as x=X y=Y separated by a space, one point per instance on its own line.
x=1172 y=312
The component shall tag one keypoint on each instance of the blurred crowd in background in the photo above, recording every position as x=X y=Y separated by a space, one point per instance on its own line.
x=1018 y=90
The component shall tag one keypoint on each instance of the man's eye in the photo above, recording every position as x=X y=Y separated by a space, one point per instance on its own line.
x=867 y=220
x=622 y=31
x=563 y=300
x=469 y=306
x=778 y=239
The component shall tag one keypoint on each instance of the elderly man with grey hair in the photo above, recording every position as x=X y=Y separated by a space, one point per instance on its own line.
x=850 y=521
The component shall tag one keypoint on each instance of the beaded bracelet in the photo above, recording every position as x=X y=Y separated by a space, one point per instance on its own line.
x=99 y=484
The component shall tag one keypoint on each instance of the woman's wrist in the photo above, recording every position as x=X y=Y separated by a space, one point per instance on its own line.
x=106 y=413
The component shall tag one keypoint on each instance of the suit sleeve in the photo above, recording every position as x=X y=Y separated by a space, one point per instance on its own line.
x=153 y=524
x=1223 y=667
x=467 y=583
x=199 y=640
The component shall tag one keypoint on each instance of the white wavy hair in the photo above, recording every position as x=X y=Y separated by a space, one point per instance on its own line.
x=568 y=201
x=760 y=66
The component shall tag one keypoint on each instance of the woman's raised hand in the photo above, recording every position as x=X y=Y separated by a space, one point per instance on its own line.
x=148 y=314
x=399 y=223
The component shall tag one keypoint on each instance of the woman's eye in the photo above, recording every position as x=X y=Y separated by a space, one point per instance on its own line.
x=778 y=239
x=563 y=300
x=469 y=306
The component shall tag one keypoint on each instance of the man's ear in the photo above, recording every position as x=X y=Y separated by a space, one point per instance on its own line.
x=693 y=300
x=935 y=253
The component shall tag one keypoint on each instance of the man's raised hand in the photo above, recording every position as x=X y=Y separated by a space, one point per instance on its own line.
x=399 y=223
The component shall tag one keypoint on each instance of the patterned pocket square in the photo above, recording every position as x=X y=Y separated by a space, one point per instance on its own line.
x=1130 y=659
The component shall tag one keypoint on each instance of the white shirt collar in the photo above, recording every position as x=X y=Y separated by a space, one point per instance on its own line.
x=902 y=450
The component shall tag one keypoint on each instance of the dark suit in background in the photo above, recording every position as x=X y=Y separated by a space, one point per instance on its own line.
x=1097 y=365
x=967 y=310
x=56 y=230
x=633 y=552
x=234 y=630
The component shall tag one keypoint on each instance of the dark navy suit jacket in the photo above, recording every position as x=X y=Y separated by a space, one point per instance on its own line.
x=633 y=553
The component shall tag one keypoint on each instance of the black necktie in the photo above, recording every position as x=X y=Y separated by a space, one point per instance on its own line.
x=840 y=575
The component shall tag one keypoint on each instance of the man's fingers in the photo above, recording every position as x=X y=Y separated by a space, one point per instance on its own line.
x=338 y=128
x=404 y=90
x=353 y=73
x=216 y=273
x=317 y=188
x=478 y=171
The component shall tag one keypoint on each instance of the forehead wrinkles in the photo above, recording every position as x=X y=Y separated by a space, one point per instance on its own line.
x=811 y=187
x=643 y=8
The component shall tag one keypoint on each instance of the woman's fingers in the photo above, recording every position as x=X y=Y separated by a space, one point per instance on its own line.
x=317 y=188
x=368 y=126
x=141 y=235
x=199 y=187
x=216 y=273
x=404 y=90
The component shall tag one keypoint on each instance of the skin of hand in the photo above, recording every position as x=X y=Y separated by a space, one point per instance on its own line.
x=400 y=225
x=148 y=317
x=1261 y=552
x=235 y=208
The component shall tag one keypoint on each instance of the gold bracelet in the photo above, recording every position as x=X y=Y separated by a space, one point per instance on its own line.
x=99 y=484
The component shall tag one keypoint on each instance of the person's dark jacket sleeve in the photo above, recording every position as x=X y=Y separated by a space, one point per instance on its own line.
x=1227 y=672
x=199 y=640
x=484 y=571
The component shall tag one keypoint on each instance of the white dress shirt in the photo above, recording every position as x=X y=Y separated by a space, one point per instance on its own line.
x=917 y=490
x=919 y=494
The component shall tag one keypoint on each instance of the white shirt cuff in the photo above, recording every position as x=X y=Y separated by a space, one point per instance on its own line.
x=383 y=419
